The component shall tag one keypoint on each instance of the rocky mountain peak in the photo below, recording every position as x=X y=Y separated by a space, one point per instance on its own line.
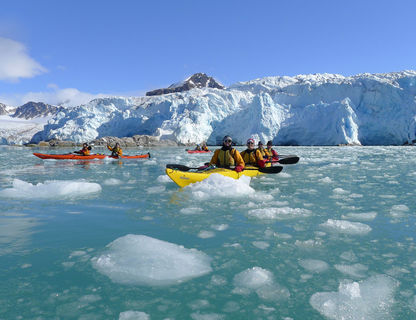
x=198 y=80
x=35 y=109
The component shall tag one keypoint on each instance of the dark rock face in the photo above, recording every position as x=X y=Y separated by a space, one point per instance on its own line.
x=3 y=110
x=35 y=109
x=198 y=80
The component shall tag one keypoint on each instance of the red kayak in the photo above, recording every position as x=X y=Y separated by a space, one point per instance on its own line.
x=198 y=151
x=90 y=157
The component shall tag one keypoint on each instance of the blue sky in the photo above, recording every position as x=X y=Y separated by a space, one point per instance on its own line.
x=75 y=50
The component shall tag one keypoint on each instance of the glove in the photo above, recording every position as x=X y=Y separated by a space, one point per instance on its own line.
x=261 y=163
x=239 y=168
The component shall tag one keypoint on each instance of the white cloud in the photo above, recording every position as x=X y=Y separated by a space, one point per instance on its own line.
x=15 y=63
x=69 y=97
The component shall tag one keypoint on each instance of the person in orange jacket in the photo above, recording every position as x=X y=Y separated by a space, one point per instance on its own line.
x=252 y=156
x=116 y=151
x=227 y=156
x=85 y=151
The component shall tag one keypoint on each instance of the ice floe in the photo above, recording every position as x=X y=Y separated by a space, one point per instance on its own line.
x=314 y=265
x=50 y=189
x=347 y=227
x=142 y=260
x=370 y=299
x=260 y=281
x=356 y=270
x=219 y=186
x=133 y=315
x=275 y=213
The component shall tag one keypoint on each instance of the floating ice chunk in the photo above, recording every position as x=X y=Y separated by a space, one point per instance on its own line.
x=365 y=216
x=313 y=265
x=206 y=234
x=347 y=227
x=279 y=213
x=217 y=280
x=112 y=182
x=164 y=179
x=206 y=316
x=349 y=256
x=370 y=299
x=158 y=189
x=325 y=180
x=340 y=191
x=253 y=278
x=133 y=315
x=262 y=282
x=191 y=210
x=142 y=260
x=399 y=211
x=261 y=244
x=50 y=189
x=199 y=304
x=284 y=175
x=219 y=186
x=220 y=227
x=356 y=270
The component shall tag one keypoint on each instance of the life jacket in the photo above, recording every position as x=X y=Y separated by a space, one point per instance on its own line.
x=85 y=151
x=226 y=158
x=264 y=153
x=249 y=157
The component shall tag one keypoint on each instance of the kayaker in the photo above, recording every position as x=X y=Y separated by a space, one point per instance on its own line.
x=204 y=146
x=273 y=155
x=252 y=156
x=264 y=153
x=227 y=156
x=85 y=151
x=116 y=151
x=198 y=148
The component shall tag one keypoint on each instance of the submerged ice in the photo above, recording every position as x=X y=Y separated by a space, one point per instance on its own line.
x=142 y=260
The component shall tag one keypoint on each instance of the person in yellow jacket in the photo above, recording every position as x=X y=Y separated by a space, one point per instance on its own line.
x=116 y=151
x=264 y=152
x=252 y=156
x=85 y=151
x=227 y=156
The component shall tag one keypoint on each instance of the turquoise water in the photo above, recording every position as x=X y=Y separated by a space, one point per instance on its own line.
x=332 y=237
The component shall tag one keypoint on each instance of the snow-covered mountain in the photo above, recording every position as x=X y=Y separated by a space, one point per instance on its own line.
x=36 y=109
x=319 y=109
x=19 y=125
x=198 y=80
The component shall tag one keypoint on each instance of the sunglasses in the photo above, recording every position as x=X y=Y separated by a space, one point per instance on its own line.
x=228 y=140
x=250 y=143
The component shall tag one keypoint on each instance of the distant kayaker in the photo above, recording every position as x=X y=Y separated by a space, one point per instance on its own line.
x=116 y=151
x=252 y=156
x=85 y=151
x=227 y=156
x=273 y=155
x=264 y=152
x=204 y=146
x=198 y=148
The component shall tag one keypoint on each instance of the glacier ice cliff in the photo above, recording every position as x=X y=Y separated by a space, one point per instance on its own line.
x=319 y=109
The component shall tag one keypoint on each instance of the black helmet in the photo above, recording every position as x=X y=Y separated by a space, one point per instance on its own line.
x=260 y=143
x=227 y=138
x=269 y=143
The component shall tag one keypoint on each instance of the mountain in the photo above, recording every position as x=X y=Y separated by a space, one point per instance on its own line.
x=36 y=109
x=198 y=80
x=318 y=109
x=3 y=109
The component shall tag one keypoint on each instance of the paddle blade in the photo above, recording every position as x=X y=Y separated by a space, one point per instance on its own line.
x=275 y=169
x=289 y=160
x=179 y=167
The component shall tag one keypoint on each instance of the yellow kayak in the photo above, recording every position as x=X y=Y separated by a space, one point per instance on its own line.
x=184 y=178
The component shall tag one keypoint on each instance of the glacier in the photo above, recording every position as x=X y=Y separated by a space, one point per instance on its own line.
x=316 y=109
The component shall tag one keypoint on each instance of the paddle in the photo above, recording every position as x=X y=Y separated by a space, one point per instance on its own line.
x=180 y=167
x=290 y=159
